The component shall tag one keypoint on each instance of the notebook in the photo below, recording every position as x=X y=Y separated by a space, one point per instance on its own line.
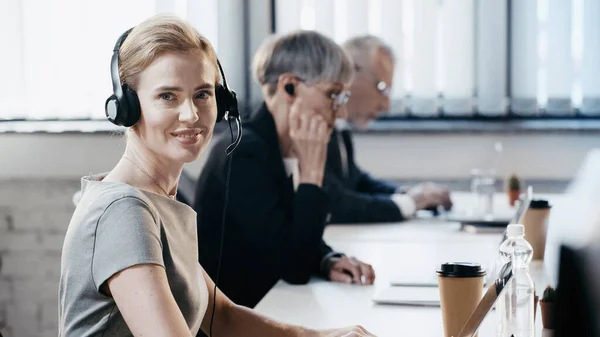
x=410 y=296
x=415 y=278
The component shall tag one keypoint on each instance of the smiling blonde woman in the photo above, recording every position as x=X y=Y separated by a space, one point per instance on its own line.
x=129 y=264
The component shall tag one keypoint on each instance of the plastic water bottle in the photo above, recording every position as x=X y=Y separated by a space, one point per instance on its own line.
x=515 y=305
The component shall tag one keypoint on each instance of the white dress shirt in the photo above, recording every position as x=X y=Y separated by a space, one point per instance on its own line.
x=292 y=168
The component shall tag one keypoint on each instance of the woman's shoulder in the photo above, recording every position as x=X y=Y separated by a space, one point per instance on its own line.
x=107 y=214
x=98 y=197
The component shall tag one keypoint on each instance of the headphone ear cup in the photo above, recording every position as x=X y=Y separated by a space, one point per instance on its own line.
x=222 y=102
x=133 y=110
x=111 y=109
x=290 y=89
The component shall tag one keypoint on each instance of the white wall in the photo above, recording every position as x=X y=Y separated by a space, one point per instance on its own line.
x=392 y=156
x=534 y=155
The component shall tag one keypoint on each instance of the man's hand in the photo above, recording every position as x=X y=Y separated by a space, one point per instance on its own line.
x=350 y=270
x=430 y=195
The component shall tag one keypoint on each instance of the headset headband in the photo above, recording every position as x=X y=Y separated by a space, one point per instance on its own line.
x=114 y=67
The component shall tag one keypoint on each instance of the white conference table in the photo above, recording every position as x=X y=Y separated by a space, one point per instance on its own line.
x=415 y=244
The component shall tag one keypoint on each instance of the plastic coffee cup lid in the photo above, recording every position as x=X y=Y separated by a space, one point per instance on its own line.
x=461 y=269
x=539 y=204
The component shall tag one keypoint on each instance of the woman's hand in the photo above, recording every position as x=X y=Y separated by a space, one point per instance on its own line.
x=310 y=135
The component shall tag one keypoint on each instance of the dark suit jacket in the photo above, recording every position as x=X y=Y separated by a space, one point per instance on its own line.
x=356 y=196
x=271 y=232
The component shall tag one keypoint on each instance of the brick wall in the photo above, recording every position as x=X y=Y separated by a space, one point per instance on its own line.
x=34 y=216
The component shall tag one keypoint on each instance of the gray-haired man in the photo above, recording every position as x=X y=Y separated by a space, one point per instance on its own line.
x=356 y=196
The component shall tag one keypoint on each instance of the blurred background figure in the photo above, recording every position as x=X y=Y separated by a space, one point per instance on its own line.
x=355 y=195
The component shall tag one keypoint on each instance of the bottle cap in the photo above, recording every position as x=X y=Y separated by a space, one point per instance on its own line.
x=515 y=230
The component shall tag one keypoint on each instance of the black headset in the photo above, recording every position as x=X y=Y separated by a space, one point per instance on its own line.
x=123 y=106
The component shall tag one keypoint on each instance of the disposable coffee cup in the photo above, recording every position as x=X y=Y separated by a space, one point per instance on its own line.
x=535 y=222
x=461 y=288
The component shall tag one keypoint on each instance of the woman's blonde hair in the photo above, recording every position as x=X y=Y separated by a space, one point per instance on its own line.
x=155 y=36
